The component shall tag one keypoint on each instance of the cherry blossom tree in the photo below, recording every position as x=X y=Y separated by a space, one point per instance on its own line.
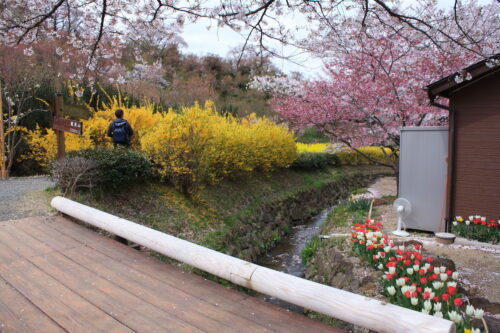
x=375 y=79
x=262 y=23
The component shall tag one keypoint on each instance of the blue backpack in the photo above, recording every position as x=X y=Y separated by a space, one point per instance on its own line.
x=120 y=132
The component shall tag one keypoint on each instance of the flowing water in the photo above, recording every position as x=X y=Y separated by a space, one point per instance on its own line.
x=285 y=257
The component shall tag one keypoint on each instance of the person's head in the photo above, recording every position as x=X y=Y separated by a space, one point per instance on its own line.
x=119 y=113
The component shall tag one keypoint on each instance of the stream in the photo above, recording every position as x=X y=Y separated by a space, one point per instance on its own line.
x=285 y=257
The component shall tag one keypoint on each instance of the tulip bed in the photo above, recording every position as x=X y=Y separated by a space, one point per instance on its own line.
x=411 y=280
x=477 y=227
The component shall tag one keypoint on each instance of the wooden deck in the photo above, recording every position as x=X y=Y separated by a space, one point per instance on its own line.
x=58 y=276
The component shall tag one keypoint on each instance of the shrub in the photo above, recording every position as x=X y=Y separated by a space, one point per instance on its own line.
x=116 y=167
x=355 y=158
x=72 y=173
x=313 y=161
x=198 y=145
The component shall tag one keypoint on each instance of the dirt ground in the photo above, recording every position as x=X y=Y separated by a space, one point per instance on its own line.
x=477 y=263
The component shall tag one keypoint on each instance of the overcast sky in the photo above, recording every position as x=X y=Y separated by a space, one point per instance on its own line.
x=220 y=41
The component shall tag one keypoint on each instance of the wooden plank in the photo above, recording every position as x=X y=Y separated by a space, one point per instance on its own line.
x=228 y=299
x=65 y=307
x=189 y=308
x=140 y=261
x=12 y=236
x=39 y=230
x=120 y=303
x=18 y=314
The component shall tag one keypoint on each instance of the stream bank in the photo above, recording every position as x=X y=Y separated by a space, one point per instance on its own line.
x=256 y=233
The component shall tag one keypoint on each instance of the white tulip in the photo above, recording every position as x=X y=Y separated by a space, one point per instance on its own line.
x=471 y=217
x=436 y=270
x=455 y=223
x=381 y=267
x=454 y=275
x=409 y=271
x=437 y=285
x=391 y=290
x=451 y=284
x=443 y=276
x=416 y=268
x=392 y=270
x=478 y=313
x=469 y=310
x=428 y=305
x=437 y=306
x=442 y=269
x=438 y=314
x=425 y=311
x=400 y=282
x=467 y=222
x=414 y=301
x=387 y=249
x=483 y=219
x=454 y=316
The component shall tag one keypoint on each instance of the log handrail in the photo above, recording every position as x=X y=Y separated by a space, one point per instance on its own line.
x=353 y=308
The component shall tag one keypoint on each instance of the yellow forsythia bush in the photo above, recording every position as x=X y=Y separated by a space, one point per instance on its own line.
x=42 y=142
x=198 y=145
x=190 y=147
x=355 y=158
x=311 y=147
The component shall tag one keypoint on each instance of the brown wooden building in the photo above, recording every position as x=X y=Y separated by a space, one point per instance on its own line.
x=473 y=184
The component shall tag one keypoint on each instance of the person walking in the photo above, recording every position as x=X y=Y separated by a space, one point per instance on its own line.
x=120 y=130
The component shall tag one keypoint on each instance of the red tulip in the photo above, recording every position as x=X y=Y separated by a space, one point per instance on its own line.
x=414 y=294
x=418 y=246
x=406 y=279
x=392 y=259
x=433 y=277
x=423 y=281
x=407 y=262
x=427 y=295
x=369 y=247
x=419 y=289
x=449 y=272
x=452 y=290
x=374 y=257
x=457 y=302
x=407 y=294
x=389 y=276
x=436 y=299
x=429 y=259
x=355 y=240
x=445 y=297
x=421 y=271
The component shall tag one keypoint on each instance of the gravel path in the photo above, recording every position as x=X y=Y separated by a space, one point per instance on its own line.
x=20 y=197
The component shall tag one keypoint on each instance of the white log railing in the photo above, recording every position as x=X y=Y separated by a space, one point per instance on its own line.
x=353 y=308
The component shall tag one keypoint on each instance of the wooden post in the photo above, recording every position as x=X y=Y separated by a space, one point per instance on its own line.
x=3 y=169
x=58 y=113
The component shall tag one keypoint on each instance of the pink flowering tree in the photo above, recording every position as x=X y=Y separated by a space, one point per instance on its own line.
x=375 y=78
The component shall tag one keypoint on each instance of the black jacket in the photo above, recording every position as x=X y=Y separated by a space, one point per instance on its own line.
x=128 y=128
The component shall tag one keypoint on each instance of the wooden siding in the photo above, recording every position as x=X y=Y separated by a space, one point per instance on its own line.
x=476 y=169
